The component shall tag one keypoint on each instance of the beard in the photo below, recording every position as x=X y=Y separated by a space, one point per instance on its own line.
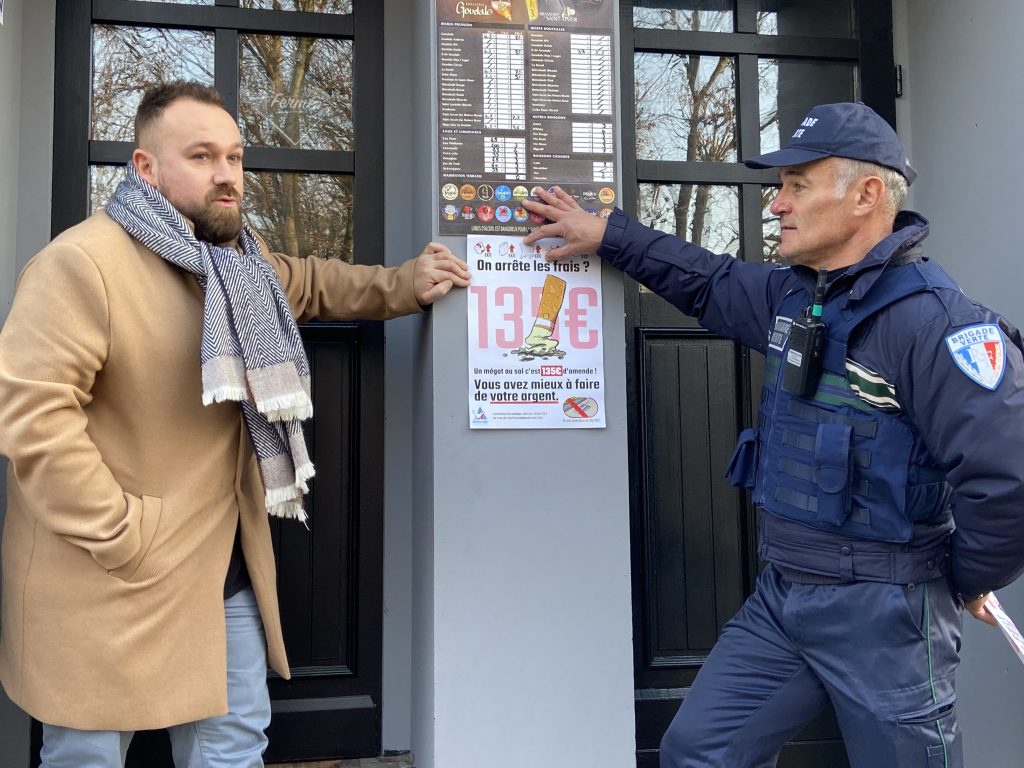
x=214 y=223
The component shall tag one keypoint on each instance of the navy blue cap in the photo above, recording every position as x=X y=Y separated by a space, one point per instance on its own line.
x=847 y=129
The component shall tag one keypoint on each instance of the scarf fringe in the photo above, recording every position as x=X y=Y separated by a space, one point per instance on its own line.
x=290 y=510
x=224 y=393
x=292 y=407
x=303 y=474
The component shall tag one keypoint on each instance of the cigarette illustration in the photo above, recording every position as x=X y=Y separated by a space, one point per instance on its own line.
x=539 y=343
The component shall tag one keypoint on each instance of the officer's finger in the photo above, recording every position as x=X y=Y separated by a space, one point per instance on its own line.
x=547 y=211
x=566 y=198
x=560 y=253
x=548 y=230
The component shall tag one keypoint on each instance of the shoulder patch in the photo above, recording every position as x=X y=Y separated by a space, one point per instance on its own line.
x=980 y=352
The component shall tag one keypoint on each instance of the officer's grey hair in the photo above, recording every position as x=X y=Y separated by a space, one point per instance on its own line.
x=848 y=171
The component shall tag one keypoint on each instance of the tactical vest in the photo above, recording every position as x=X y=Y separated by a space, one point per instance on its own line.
x=833 y=461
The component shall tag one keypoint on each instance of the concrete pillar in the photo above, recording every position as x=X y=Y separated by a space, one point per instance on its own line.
x=521 y=642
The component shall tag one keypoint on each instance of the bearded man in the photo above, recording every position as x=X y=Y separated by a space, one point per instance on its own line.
x=152 y=388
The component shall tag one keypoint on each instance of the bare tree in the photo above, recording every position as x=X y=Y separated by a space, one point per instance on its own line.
x=297 y=93
x=685 y=107
x=686 y=110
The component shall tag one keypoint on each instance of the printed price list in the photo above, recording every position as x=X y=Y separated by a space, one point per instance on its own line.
x=526 y=97
x=592 y=138
x=504 y=80
x=591 y=74
x=505 y=157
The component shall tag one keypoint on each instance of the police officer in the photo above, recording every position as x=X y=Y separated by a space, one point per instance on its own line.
x=886 y=460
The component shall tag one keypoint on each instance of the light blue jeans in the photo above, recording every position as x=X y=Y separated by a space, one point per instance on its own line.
x=234 y=740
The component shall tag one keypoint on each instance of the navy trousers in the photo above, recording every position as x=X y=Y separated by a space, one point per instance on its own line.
x=885 y=655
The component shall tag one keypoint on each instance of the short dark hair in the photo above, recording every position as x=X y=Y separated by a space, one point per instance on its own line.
x=160 y=96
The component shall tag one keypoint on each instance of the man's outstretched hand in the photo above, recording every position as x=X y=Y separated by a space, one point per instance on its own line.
x=437 y=271
x=581 y=231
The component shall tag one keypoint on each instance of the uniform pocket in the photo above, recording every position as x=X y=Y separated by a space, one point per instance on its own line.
x=742 y=467
x=933 y=723
x=937 y=756
x=832 y=472
x=933 y=713
x=152 y=508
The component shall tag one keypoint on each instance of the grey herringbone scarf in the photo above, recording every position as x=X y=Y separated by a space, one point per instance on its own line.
x=251 y=350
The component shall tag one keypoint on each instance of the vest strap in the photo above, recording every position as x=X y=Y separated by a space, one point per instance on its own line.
x=810 y=504
x=861 y=428
x=805 y=472
x=861 y=457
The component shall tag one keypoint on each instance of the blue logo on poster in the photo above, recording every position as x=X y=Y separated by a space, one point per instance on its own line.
x=520 y=214
x=502 y=192
x=503 y=213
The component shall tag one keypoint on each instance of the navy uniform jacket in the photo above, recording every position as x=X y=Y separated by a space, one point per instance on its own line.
x=974 y=433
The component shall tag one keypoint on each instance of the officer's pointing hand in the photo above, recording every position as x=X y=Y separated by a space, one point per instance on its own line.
x=581 y=231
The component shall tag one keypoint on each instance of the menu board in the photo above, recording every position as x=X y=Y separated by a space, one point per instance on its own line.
x=526 y=93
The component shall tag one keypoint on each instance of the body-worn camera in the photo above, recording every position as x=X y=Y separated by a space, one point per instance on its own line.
x=801 y=367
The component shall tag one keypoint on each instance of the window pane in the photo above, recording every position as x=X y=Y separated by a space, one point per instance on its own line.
x=678 y=92
x=692 y=15
x=180 y=2
x=295 y=92
x=103 y=180
x=770 y=226
x=309 y=6
x=806 y=17
x=127 y=60
x=301 y=214
x=704 y=214
x=790 y=88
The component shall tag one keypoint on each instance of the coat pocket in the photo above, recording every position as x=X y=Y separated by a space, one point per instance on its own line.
x=152 y=508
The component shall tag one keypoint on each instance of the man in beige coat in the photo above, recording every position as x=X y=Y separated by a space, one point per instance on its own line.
x=125 y=491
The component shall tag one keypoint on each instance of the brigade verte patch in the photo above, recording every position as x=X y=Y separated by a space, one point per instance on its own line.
x=980 y=352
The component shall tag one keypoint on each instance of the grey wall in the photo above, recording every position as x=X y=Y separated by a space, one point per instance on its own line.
x=962 y=113
x=26 y=127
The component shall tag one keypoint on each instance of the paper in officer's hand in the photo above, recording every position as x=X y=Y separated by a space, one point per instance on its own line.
x=1013 y=636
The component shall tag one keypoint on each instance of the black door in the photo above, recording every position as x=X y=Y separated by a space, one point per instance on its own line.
x=302 y=76
x=709 y=83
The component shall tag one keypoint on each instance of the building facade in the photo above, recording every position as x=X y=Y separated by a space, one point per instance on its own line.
x=456 y=603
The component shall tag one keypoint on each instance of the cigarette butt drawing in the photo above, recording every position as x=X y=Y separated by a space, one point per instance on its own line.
x=551 y=299
x=539 y=343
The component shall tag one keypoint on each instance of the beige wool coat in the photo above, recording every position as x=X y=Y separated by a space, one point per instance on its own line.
x=124 y=491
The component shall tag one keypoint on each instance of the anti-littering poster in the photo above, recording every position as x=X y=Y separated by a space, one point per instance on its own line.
x=536 y=348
